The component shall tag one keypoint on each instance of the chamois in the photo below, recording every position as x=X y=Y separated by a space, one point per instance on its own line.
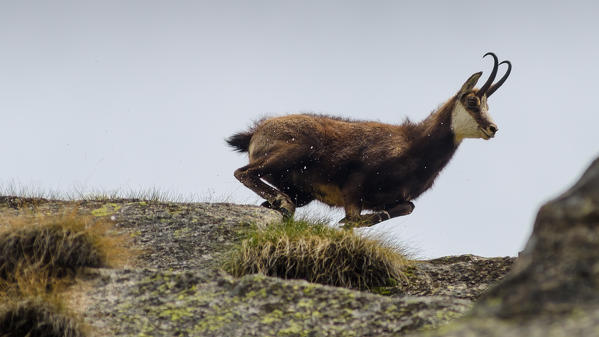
x=361 y=165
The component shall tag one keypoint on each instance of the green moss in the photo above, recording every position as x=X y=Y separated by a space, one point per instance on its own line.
x=181 y=232
x=273 y=316
x=390 y=309
x=305 y=303
x=308 y=289
x=294 y=329
x=214 y=322
x=146 y=332
x=447 y=315
x=106 y=210
x=176 y=314
x=384 y=291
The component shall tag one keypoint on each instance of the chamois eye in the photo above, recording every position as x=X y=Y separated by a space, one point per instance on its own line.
x=472 y=101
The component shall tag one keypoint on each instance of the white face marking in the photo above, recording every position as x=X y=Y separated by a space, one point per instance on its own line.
x=464 y=125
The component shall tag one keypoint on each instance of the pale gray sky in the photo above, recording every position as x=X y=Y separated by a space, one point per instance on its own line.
x=134 y=95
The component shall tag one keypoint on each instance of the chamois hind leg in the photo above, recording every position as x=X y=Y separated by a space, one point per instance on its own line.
x=299 y=199
x=277 y=161
x=286 y=185
x=249 y=175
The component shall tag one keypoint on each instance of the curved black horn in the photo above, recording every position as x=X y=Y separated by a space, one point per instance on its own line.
x=500 y=82
x=487 y=84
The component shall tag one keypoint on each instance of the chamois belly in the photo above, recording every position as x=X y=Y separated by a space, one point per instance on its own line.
x=382 y=199
x=384 y=193
x=329 y=194
x=317 y=184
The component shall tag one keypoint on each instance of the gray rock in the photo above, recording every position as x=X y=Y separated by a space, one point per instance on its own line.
x=464 y=276
x=177 y=287
x=160 y=303
x=553 y=288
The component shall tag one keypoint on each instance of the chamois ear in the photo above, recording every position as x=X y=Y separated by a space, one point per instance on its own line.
x=470 y=83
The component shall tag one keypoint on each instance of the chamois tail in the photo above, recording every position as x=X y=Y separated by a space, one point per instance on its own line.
x=240 y=141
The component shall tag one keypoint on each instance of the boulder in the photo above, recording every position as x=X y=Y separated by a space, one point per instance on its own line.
x=553 y=288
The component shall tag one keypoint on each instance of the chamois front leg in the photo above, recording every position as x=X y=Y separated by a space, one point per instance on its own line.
x=400 y=209
x=354 y=219
x=352 y=203
x=365 y=220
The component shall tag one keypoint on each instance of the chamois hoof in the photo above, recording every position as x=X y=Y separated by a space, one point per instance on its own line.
x=287 y=214
x=382 y=216
x=281 y=205
x=374 y=218
x=402 y=209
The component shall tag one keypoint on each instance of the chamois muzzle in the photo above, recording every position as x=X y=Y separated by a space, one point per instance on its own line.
x=490 y=130
x=489 y=88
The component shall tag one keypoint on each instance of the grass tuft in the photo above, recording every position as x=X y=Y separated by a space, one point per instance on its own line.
x=318 y=253
x=33 y=305
x=58 y=246
x=37 y=252
x=36 y=317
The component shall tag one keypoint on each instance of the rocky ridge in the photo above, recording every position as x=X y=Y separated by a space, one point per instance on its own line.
x=177 y=287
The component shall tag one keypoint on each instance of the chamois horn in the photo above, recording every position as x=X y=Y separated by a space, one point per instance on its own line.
x=487 y=84
x=500 y=82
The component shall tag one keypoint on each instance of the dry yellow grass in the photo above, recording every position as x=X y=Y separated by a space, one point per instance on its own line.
x=317 y=253
x=59 y=245
x=36 y=316
x=38 y=255
x=32 y=305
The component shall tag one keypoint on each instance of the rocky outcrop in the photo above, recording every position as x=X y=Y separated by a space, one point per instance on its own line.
x=553 y=288
x=192 y=303
x=464 y=276
x=177 y=287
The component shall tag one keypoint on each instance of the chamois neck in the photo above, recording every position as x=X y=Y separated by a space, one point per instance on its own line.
x=432 y=143
x=437 y=125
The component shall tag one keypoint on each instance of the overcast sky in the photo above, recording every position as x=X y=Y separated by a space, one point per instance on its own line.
x=136 y=95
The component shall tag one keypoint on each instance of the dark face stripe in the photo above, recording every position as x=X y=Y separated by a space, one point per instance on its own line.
x=474 y=107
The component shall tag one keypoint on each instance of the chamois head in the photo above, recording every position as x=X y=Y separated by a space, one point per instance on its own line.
x=470 y=117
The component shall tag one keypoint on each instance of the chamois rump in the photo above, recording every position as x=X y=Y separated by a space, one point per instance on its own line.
x=361 y=165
